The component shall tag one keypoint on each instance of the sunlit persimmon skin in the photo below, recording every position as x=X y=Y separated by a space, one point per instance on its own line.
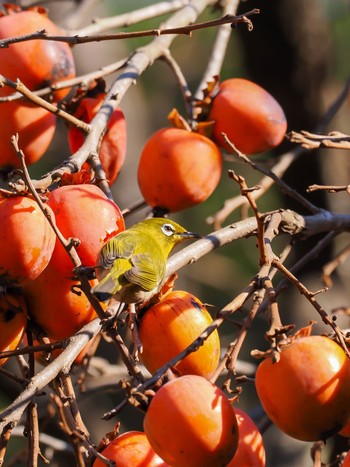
x=250 y=451
x=307 y=393
x=190 y=422
x=27 y=240
x=178 y=169
x=251 y=117
x=112 y=150
x=13 y=321
x=54 y=307
x=169 y=326
x=83 y=212
x=131 y=449
x=36 y=63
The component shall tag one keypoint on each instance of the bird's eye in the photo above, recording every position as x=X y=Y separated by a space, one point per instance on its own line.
x=168 y=230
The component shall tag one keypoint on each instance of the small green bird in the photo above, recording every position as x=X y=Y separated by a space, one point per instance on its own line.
x=132 y=264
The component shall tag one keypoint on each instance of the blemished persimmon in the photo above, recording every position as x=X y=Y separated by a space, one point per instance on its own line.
x=83 y=212
x=191 y=422
x=307 y=392
x=250 y=451
x=131 y=449
x=27 y=240
x=53 y=305
x=250 y=116
x=13 y=321
x=178 y=169
x=37 y=63
x=112 y=150
x=172 y=324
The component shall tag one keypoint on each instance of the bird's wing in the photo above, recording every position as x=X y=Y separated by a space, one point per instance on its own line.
x=147 y=270
x=119 y=247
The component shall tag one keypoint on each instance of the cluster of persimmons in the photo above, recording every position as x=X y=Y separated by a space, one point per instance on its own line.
x=190 y=420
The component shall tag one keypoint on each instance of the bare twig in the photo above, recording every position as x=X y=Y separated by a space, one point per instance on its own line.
x=311 y=298
x=335 y=140
x=35 y=99
x=187 y=30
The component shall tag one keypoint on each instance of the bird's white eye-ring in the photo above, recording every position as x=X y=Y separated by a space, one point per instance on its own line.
x=168 y=230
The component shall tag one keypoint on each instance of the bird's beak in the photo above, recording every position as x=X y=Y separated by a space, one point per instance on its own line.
x=191 y=235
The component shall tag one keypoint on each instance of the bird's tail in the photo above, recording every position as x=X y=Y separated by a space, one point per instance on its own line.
x=104 y=290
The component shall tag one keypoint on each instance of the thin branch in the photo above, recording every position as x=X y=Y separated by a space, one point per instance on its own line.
x=24 y=91
x=186 y=30
x=131 y=18
x=329 y=188
x=311 y=298
x=335 y=140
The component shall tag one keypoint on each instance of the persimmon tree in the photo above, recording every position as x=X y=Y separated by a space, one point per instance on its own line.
x=79 y=393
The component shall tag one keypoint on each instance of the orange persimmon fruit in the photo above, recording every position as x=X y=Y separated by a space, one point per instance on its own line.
x=191 y=422
x=178 y=169
x=55 y=307
x=36 y=63
x=169 y=326
x=83 y=212
x=27 y=240
x=250 y=117
x=131 y=449
x=250 y=451
x=307 y=392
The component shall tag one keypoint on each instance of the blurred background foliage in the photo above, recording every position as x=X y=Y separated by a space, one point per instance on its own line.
x=298 y=51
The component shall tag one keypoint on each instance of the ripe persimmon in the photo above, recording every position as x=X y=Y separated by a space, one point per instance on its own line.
x=52 y=304
x=307 y=392
x=112 y=150
x=178 y=169
x=27 y=240
x=250 y=116
x=172 y=324
x=13 y=321
x=131 y=449
x=83 y=212
x=250 y=451
x=37 y=63
x=191 y=422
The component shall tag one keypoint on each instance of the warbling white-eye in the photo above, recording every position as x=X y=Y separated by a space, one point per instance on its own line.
x=132 y=264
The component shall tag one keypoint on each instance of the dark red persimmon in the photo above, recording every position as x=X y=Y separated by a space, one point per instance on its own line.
x=113 y=145
x=83 y=212
x=307 y=392
x=27 y=240
x=172 y=324
x=131 y=449
x=13 y=321
x=178 y=169
x=191 y=422
x=250 y=116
